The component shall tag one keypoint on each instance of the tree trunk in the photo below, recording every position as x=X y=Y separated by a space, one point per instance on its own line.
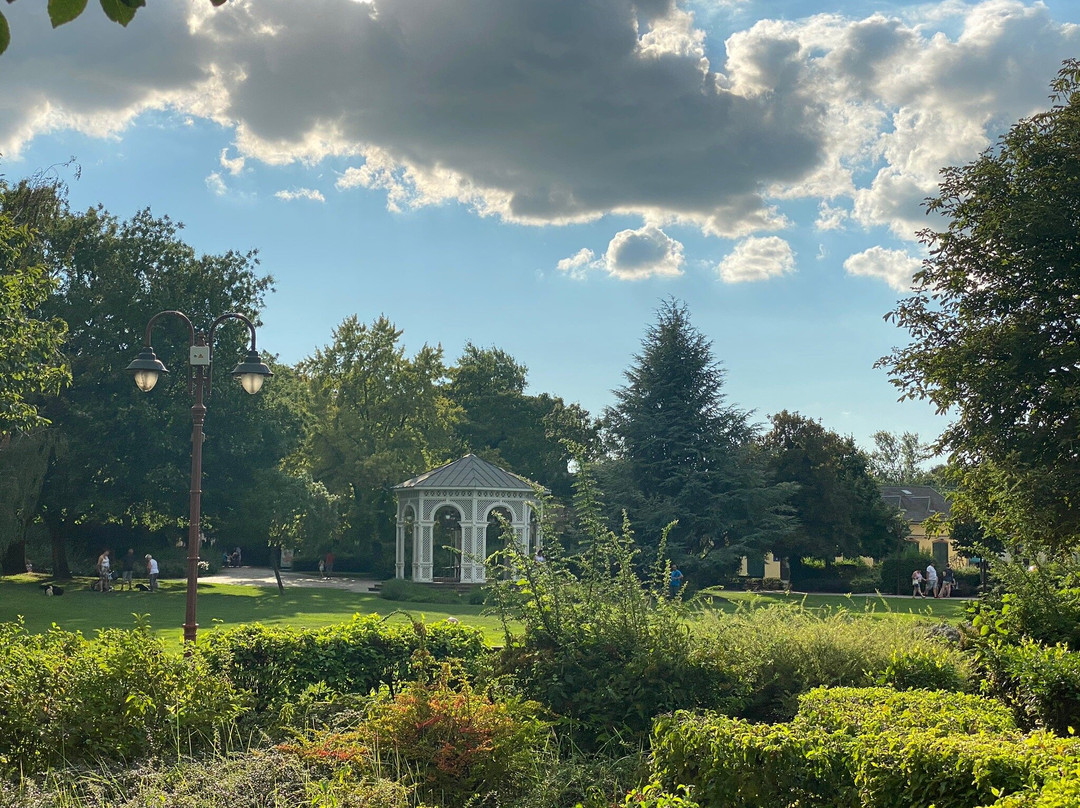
x=275 y=554
x=60 y=569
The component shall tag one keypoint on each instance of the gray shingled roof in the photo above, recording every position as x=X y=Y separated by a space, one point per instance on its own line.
x=917 y=502
x=468 y=472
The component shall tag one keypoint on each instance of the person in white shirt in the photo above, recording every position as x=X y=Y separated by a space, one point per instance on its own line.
x=152 y=571
x=931 y=579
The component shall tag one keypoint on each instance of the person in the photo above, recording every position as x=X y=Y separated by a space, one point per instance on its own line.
x=931 y=579
x=224 y=558
x=948 y=581
x=127 y=566
x=322 y=569
x=539 y=557
x=916 y=584
x=329 y=563
x=236 y=557
x=152 y=571
x=104 y=571
x=676 y=580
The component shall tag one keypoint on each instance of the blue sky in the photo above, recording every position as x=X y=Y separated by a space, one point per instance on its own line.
x=538 y=175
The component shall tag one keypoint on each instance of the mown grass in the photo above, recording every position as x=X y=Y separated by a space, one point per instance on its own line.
x=951 y=609
x=81 y=609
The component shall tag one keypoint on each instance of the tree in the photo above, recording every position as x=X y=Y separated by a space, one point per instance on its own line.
x=896 y=458
x=679 y=452
x=527 y=434
x=994 y=322
x=120 y=457
x=378 y=417
x=837 y=504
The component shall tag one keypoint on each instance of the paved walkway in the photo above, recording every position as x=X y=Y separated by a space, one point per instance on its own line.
x=264 y=576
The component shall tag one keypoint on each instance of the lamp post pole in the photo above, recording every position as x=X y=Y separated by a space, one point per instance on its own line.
x=251 y=373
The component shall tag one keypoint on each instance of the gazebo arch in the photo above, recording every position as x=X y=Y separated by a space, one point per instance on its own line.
x=473 y=488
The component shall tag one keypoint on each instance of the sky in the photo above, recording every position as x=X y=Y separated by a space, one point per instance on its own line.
x=539 y=175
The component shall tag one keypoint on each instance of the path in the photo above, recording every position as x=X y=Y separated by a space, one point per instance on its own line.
x=264 y=576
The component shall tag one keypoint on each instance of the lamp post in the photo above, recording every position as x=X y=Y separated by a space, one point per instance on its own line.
x=251 y=374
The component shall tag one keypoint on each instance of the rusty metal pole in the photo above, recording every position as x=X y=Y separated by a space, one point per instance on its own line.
x=198 y=416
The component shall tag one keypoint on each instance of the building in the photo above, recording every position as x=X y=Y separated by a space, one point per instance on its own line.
x=925 y=511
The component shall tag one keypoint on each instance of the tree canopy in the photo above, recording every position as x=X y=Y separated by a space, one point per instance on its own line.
x=994 y=322
x=680 y=452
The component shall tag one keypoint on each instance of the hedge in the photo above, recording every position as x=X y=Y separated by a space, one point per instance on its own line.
x=275 y=664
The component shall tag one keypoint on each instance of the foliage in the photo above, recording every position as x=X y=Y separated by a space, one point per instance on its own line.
x=256 y=778
x=837 y=503
x=926 y=669
x=869 y=710
x=378 y=417
x=360 y=656
x=527 y=434
x=1041 y=603
x=896 y=459
x=734 y=763
x=896 y=570
x=31 y=361
x=603 y=649
x=780 y=651
x=680 y=453
x=68 y=699
x=993 y=326
x=64 y=11
x=399 y=589
x=453 y=744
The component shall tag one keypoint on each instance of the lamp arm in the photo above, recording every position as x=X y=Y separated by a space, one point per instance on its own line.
x=232 y=315
x=191 y=339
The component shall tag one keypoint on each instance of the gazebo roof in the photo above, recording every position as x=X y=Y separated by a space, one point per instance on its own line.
x=468 y=472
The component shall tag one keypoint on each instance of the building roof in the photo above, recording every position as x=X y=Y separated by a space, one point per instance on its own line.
x=918 y=502
x=468 y=472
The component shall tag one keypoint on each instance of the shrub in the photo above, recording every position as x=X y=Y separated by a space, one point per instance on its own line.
x=275 y=664
x=1042 y=684
x=779 y=651
x=69 y=699
x=865 y=584
x=926 y=668
x=453 y=744
x=869 y=710
x=1041 y=604
x=398 y=589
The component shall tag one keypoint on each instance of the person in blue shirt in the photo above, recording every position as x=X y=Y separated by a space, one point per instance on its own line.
x=676 y=580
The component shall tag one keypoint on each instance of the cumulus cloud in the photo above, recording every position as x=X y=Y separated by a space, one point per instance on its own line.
x=632 y=255
x=895 y=267
x=543 y=113
x=216 y=184
x=309 y=194
x=830 y=218
x=757 y=259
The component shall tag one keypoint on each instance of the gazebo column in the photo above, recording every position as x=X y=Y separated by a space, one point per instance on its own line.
x=399 y=546
x=472 y=554
x=424 y=550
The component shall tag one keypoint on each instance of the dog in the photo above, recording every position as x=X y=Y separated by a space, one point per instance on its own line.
x=142 y=587
x=52 y=590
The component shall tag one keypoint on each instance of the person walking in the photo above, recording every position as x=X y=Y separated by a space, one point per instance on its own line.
x=932 y=579
x=916 y=584
x=104 y=571
x=948 y=581
x=152 y=571
x=329 y=563
x=127 y=567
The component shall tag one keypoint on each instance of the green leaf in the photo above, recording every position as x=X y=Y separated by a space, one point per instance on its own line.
x=134 y=3
x=5 y=34
x=117 y=11
x=61 y=11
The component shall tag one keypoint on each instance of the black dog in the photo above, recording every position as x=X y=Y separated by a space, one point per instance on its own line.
x=52 y=590
x=142 y=587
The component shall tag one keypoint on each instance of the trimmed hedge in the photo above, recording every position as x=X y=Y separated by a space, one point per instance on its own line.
x=868 y=710
x=870 y=761
x=275 y=664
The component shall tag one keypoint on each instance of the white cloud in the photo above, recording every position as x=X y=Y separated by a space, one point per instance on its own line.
x=216 y=184
x=632 y=255
x=757 y=259
x=831 y=218
x=310 y=194
x=556 y=113
x=895 y=267
x=233 y=165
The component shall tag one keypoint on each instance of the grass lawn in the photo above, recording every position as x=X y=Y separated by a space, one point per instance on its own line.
x=948 y=609
x=219 y=604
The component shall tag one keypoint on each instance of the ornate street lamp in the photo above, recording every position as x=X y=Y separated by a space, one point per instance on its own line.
x=147 y=369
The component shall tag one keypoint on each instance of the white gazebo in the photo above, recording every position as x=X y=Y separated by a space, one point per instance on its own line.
x=447 y=520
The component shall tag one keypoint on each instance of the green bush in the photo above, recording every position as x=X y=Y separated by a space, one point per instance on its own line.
x=926 y=668
x=399 y=589
x=736 y=764
x=869 y=710
x=1041 y=604
x=779 y=651
x=68 y=699
x=1042 y=684
x=865 y=584
x=275 y=664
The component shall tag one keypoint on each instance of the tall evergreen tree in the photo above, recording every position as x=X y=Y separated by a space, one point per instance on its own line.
x=680 y=452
